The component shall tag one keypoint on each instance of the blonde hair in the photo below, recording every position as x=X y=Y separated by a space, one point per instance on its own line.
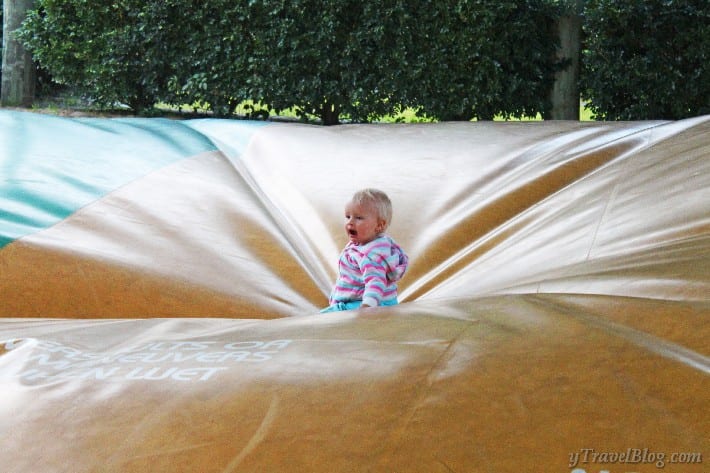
x=379 y=199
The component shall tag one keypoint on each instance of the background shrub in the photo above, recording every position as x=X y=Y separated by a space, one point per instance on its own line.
x=647 y=60
x=114 y=52
x=478 y=59
x=328 y=58
x=362 y=59
x=323 y=58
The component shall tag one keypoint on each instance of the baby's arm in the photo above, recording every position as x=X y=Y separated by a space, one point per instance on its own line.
x=374 y=273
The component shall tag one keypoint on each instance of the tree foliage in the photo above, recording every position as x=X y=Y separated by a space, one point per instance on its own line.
x=450 y=59
x=211 y=53
x=647 y=60
x=362 y=59
x=327 y=58
x=106 y=49
x=482 y=58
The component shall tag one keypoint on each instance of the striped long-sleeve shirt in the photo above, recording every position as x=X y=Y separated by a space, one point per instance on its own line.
x=369 y=272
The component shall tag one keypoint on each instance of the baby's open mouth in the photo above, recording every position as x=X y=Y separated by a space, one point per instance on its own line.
x=352 y=232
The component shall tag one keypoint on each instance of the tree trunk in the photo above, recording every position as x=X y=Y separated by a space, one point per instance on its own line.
x=330 y=114
x=18 y=71
x=565 y=91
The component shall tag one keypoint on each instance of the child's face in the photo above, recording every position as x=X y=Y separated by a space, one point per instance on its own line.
x=362 y=222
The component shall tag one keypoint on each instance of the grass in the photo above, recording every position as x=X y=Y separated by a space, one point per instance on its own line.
x=67 y=105
x=409 y=116
x=585 y=115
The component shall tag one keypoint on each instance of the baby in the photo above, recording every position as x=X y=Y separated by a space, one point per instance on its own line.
x=371 y=263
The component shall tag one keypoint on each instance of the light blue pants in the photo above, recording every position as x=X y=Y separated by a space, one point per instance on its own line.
x=350 y=305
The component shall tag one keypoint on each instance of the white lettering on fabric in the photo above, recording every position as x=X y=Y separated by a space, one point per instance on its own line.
x=181 y=361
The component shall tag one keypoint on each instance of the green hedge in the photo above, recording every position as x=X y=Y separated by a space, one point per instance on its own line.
x=110 y=51
x=647 y=60
x=325 y=58
x=478 y=59
x=362 y=59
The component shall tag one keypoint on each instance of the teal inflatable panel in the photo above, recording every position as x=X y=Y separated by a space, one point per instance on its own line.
x=51 y=166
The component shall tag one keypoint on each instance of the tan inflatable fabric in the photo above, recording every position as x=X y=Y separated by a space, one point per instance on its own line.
x=160 y=283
